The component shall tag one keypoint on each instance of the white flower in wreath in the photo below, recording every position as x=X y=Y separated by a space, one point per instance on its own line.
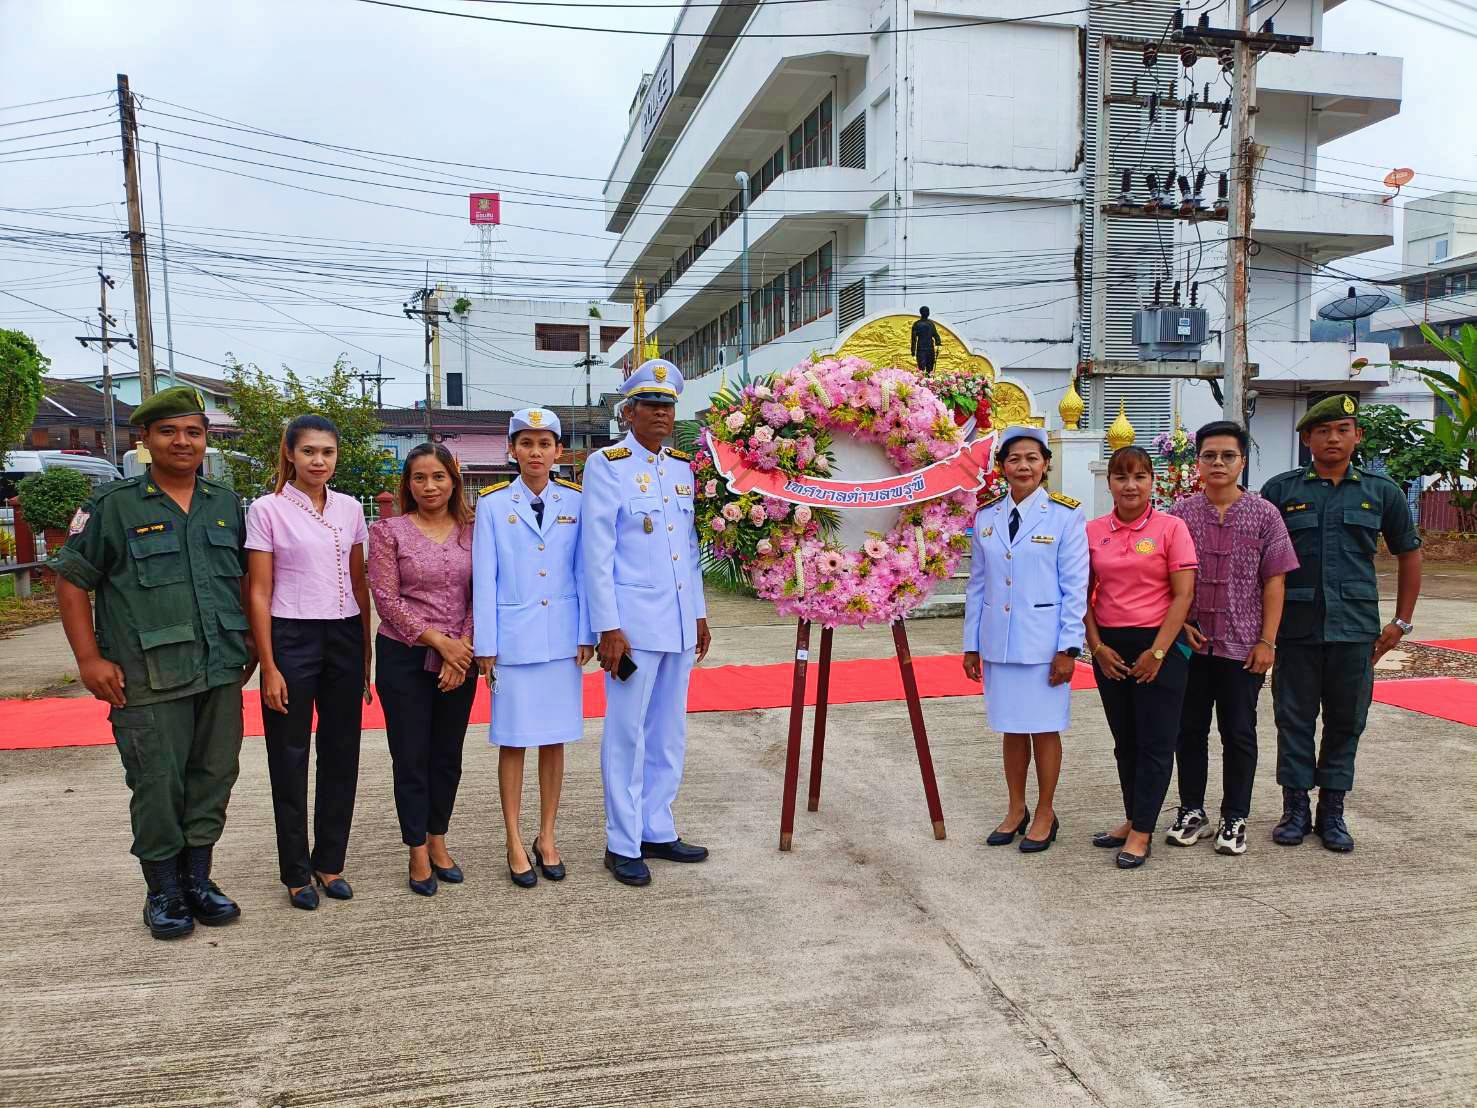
x=803 y=514
x=876 y=549
x=797 y=414
x=735 y=421
x=732 y=512
x=764 y=546
x=762 y=433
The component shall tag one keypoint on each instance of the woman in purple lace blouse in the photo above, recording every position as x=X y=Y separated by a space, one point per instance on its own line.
x=420 y=574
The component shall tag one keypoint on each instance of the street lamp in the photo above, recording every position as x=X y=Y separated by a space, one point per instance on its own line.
x=743 y=182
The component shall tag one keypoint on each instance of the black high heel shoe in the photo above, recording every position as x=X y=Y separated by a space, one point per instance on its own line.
x=525 y=880
x=1108 y=841
x=1005 y=838
x=305 y=898
x=554 y=872
x=423 y=888
x=451 y=874
x=337 y=889
x=1126 y=860
x=1035 y=846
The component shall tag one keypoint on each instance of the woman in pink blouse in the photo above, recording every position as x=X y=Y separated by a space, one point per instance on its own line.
x=309 y=613
x=420 y=572
x=1138 y=593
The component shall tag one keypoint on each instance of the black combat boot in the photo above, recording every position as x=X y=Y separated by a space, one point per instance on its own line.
x=1296 y=821
x=1330 y=824
x=207 y=903
x=165 y=910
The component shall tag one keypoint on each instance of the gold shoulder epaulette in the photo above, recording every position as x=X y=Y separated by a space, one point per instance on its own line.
x=616 y=453
x=1066 y=501
x=992 y=500
x=485 y=489
x=568 y=484
x=680 y=455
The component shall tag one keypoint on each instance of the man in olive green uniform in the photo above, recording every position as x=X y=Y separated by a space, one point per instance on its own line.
x=169 y=652
x=1330 y=635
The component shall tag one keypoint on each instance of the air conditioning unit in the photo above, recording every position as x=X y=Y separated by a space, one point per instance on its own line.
x=1168 y=332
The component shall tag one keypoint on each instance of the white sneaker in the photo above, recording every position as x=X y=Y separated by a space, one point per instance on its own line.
x=1189 y=824
x=1230 y=836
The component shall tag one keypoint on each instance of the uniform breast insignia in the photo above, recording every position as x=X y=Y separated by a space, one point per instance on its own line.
x=568 y=484
x=1295 y=508
x=987 y=532
x=567 y=519
x=1366 y=504
x=1043 y=538
x=485 y=489
x=153 y=528
x=616 y=453
x=680 y=455
x=989 y=500
x=683 y=490
x=79 y=521
x=512 y=517
x=1065 y=501
x=220 y=523
x=647 y=525
x=1144 y=546
x=643 y=481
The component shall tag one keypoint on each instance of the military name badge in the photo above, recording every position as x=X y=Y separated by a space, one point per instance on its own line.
x=1144 y=546
x=567 y=519
x=79 y=521
x=684 y=490
x=647 y=525
x=1295 y=508
x=1043 y=538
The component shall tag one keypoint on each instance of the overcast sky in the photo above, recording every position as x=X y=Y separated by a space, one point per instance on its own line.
x=351 y=74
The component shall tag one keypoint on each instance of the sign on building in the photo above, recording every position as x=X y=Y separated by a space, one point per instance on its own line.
x=485 y=208
x=658 y=95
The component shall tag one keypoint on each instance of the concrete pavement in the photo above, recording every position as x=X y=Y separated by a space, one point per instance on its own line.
x=871 y=966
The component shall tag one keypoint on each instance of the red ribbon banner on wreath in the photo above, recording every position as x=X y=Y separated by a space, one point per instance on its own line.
x=963 y=471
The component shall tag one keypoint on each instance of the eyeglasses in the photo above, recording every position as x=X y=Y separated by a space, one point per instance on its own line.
x=1226 y=457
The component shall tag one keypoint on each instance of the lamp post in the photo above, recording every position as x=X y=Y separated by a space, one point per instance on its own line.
x=743 y=182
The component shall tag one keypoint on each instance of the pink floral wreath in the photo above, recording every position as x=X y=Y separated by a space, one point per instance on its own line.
x=787 y=551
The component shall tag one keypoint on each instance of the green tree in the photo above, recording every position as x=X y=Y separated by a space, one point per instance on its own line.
x=50 y=498
x=263 y=406
x=22 y=366
x=1407 y=448
x=1454 y=432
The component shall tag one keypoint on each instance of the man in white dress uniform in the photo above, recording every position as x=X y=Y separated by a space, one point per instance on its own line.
x=644 y=584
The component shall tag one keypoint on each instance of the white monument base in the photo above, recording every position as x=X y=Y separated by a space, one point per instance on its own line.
x=1077 y=468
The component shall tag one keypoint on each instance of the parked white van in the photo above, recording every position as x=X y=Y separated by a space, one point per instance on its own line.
x=20 y=464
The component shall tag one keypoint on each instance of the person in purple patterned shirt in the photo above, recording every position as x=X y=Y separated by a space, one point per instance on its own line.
x=1245 y=555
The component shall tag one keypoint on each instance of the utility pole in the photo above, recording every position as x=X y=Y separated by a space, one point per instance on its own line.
x=164 y=264
x=377 y=377
x=107 y=342
x=128 y=124
x=431 y=318
x=742 y=179
x=1238 y=222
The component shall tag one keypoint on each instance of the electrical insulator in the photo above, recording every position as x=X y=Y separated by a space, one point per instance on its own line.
x=1175 y=298
x=1186 y=205
x=1174 y=88
x=1225 y=113
x=1177 y=20
x=1153 y=106
x=1194 y=293
x=1190 y=106
x=1188 y=56
x=1222 y=194
x=1152 y=204
x=1205 y=99
x=1197 y=198
x=1204 y=23
x=1125 y=194
x=1151 y=56
x=1133 y=88
x=1157 y=286
x=1166 y=198
x=1267 y=28
x=1227 y=57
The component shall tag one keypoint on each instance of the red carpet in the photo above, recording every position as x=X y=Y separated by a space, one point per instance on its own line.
x=1466 y=646
x=67 y=721
x=64 y=721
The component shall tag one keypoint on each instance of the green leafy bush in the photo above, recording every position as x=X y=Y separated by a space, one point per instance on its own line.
x=50 y=498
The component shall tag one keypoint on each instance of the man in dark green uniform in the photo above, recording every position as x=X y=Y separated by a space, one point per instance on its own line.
x=170 y=651
x=1330 y=635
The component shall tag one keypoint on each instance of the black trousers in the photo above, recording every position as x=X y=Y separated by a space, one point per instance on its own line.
x=322 y=661
x=426 y=728
x=1144 y=720
x=1224 y=685
x=1338 y=678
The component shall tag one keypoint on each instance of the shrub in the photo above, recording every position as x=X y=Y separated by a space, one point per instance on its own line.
x=50 y=498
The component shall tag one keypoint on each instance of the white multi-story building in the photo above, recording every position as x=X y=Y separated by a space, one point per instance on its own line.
x=955 y=154
x=504 y=354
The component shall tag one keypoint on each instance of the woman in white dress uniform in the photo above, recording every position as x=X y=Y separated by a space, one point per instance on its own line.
x=531 y=629
x=1023 y=617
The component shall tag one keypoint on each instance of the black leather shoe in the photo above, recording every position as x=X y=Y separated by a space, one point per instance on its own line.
x=675 y=851
x=165 y=912
x=1005 y=838
x=525 y=880
x=1296 y=821
x=305 y=898
x=628 y=871
x=1035 y=846
x=451 y=874
x=203 y=896
x=1108 y=841
x=423 y=888
x=1126 y=860
x=1330 y=824
x=337 y=889
x=554 y=872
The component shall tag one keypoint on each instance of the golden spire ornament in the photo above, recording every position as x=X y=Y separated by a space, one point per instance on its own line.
x=1121 y=432
x=1071 y=407
x=638 y=324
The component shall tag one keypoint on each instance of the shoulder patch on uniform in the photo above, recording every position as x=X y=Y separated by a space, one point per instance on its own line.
x=485 y=489
x=999 y=496
x=680 y=455
x=568 y=484
x=616 y=453
x=1065 y=501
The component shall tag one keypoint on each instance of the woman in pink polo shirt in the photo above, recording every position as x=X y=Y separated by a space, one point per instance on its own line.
x=309 y=612
x=1139 y=592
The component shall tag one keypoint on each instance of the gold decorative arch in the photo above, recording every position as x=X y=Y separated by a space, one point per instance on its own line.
x=884 y=341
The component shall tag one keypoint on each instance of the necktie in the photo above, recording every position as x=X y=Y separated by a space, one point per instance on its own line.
x=538 y=510
x=1015 y=522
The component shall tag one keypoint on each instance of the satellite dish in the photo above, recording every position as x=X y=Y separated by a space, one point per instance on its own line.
x=1355 y=305
x=1395 y=179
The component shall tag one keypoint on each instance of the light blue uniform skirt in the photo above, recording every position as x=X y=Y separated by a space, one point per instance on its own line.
x=537 y=704
x=1019 y=700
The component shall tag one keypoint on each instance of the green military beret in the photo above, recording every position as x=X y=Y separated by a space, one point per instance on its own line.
x=1330 y=408
x=181 y=400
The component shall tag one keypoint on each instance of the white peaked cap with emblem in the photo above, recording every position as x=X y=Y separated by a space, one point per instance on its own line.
x=533 y=419
x=1017 y=431
x=655 y=379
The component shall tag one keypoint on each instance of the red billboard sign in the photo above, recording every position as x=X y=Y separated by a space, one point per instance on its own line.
x=485 y=207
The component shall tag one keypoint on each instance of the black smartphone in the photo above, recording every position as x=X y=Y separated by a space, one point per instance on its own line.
x=625 y=667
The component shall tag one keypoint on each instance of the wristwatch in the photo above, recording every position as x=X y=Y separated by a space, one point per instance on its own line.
x=1158 y=655
x=1072 y=651
x=1405 y=628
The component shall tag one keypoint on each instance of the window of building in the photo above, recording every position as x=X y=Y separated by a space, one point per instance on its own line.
x=609 y=336
x=810 y=143
x=561 y=337
x=1439 y=249
x=454 y=394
